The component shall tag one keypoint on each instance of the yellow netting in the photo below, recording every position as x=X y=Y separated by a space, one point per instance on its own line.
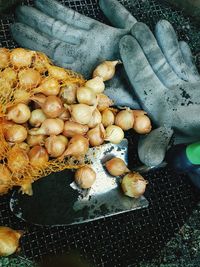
x=15 y=88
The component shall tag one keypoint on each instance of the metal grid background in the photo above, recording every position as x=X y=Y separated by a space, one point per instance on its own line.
x=127 y=239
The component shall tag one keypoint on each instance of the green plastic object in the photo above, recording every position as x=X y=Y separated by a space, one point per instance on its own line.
x=193 y=153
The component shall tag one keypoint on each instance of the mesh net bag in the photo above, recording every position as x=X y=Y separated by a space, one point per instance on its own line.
x=24 y=75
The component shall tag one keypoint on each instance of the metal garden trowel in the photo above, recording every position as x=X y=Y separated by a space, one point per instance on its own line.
x=57 y=200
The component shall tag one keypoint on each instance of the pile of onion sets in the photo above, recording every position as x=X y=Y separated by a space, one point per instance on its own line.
x=55 y=116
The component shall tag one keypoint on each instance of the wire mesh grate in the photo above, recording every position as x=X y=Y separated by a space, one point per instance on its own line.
x=126 y=239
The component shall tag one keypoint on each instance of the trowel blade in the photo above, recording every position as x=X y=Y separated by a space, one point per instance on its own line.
x=57 y=200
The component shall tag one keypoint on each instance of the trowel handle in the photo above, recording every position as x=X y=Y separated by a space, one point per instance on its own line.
x=184 y=158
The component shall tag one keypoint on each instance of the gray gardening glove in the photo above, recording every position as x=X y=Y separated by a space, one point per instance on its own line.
x=166 y=87
x=75 y=41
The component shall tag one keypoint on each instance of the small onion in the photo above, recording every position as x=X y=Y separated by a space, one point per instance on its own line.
x=29 y=78
x=20 y=57
x=72 y=128
x=96 y=135
x=96 y=85
x=49 y=127
x=39 y=99
x=85 y=177
x=133 y=185
x=96 y=119
x=49 y=87
x=57 y=72
x=86 y=96
x=125 y=119
x=106 y=70
x=68 y=93
x=104 y=102
x=81 y=113
x=108 y=117
x=4 y=58
x=9 y=75
x=20 y=113
x=22 y=96
x=38 y=156
x=15 y=133
x=52 y=107
x=24 y=146
x=114 y=134
x=138 y=112
x=37 y=117
x=9 y=241
x=116 y=167
x=78 y=146
x=34 y=140
x=142 y=124
x=5 y=179
x=17 y=159
x=56 y=145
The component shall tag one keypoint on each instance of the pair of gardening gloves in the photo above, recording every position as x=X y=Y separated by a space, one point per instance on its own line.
x=164 y=81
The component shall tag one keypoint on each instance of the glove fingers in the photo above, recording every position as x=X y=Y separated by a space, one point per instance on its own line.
x=117 y=14
x=187 y=56
x=152 y=147
x=146 y=84
x=67 y=15
x=168 y=42
x=154 y=54
x=55 y=28
x=27 y=37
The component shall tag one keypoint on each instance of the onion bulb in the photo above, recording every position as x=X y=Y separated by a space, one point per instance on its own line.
x=4 y=58
x=142 y=124
x=57 y=72
x=85 y=177
x=65 y=115
x=125 y=119
x=78 y=146
x=116 y=167
x=37 y=117
x=81 y=113
x=39 y=99
x=49 y=127
x=15 y=133
x=96 y=85
x=106 y=70
x=114 y=134
x=5 y=179
x=86 y=96
x=56 y=145
x=9 y=75
x=9 y=241
x=29 y=78
x=68 y=93
x=138 y=112
x=52 y=106
x=17 y=159
x=49 y=86
x=104 y=102
x=38 y=156
x=133 y=185
x=20 y=57
x=96 y=119
x=108 y=117
x=34 y=140
x=22 y=96
x=20 y=113
x=24 y=146
x=72 y=128
x=96 y=135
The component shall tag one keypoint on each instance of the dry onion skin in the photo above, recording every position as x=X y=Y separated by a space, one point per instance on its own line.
x=21 y=57
x=38 y=156
x=116 y=167
x=85 y=177
x=17 y=159
x=72 y=128
x=96 y=135
x=15 y=133
x=9 y=241
x=95 y=119
x=68 y=93
x=133 y=185
x=104 y=102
